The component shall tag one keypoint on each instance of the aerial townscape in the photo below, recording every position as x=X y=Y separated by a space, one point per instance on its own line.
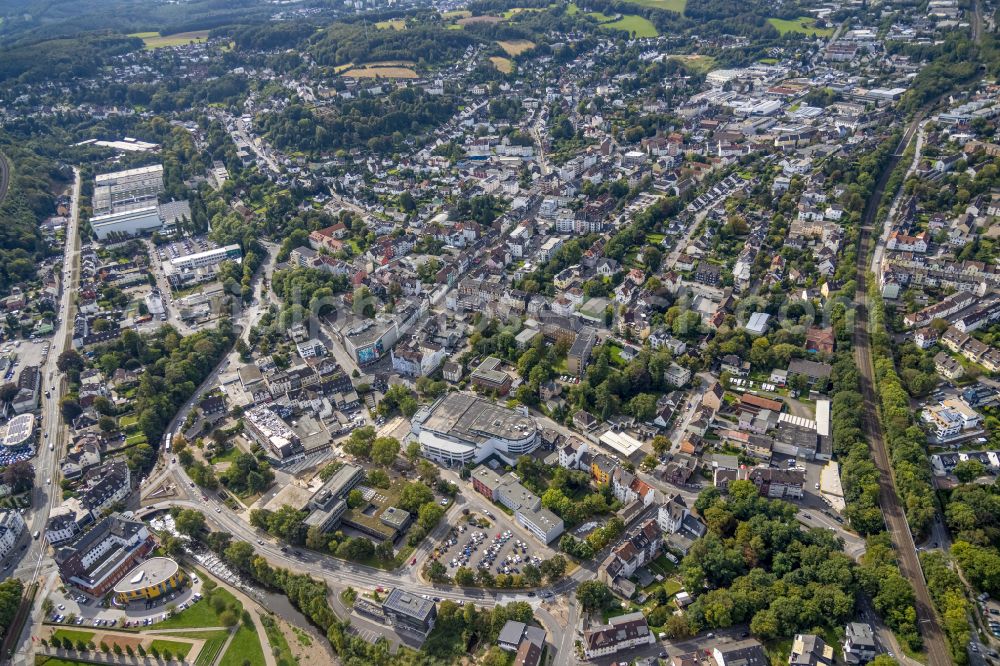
x=499 y=332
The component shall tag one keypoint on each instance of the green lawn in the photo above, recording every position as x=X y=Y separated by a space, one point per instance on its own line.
x=230 y=455
x=199 y=615
x=632 y=23
x=74 y=635
x=214 y=640
x=245 y=648
x=177 y=648
x=670 y=5
x=805 y=25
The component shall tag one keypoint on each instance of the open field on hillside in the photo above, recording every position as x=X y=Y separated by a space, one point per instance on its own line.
x=670 y=5
x=515 y=47
x=632 y=23
x=369 y=72
x=502 y=64
x=804 y=24
x=154 y=40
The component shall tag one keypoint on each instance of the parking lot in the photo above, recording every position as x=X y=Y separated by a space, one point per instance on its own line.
x=74 y=607
x=184 y=247
x=491 y=549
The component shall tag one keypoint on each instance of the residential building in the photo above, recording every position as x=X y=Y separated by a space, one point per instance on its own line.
x=859 y=643
x=810 y=650
x=11 y=528
x=620 y=633
x=101 y=556
x=579 y=352
x=747 y=652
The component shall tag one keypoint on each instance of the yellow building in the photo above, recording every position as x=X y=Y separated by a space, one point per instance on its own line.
x=601 y=468
x=151 y=579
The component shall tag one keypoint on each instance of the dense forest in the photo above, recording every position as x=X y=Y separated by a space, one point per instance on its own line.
x=343 y=43
x=62 y=59
x=379 y=124
x=29 y=199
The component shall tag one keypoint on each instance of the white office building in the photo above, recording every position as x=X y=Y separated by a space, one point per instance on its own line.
x=126 y=223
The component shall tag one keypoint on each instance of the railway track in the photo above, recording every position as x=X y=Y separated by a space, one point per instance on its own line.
x=938 y=653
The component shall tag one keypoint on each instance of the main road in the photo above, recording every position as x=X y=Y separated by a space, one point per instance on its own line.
x=895 y=518
x=46 y=494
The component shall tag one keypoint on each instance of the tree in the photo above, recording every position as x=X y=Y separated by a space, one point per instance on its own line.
x=465 y=576
x=593 y=595
x=70 y=409
x=190 y=522
x=20 y=476
x=429 y=515
x=355 y=498
x=384 y=451
x=532 y=575
x=413 y=451
x=437 y=571
x=413 y=496
x=969 y=470
x=228 y=618
x=553 y=568
x=240 y=555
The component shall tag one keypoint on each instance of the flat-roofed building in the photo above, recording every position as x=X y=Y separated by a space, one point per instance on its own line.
x=579 y=353
x=271 y=432
x=464 y=428
x=329 y=504
x=489 y=377
x=119 y=190
x=409 y=612
x=126 y=222
x=152 y=579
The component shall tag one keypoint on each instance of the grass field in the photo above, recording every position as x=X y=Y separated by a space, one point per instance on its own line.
x=670 y=5
x=457 y=14
x=602 y=18
x=198 y=615
x=154 y=40
x=514 y=11
x=214 y=640
x=394 y=24
x=804 y=25
x=632 y=23
x=177 y=648
x=697 y=63
x=244 y=649
x=468 y=20
x=502 y=64
x=74 y=635
x=515 y=47
x=383 y=72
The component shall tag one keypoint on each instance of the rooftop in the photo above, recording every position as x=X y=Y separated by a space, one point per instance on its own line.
x=152 y=572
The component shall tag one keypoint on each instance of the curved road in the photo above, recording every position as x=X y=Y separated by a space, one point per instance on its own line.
x=895 y=519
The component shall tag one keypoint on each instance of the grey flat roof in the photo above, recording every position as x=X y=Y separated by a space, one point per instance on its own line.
x=403 y=602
